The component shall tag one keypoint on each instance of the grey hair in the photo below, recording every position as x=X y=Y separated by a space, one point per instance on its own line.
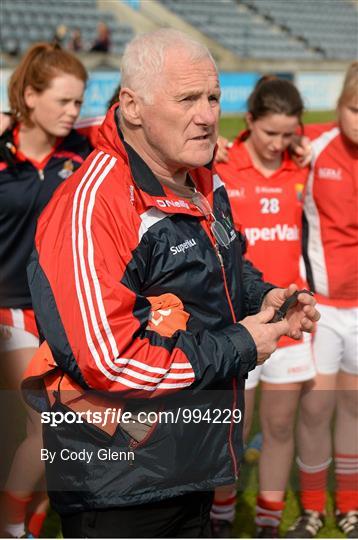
x=144 y=56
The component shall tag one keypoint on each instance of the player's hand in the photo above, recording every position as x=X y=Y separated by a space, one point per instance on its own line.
x=5 y=122
x=222 y=154
x=300 y=318
x=264 y=334
x=301 y=150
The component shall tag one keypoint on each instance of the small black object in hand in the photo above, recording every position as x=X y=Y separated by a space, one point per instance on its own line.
x=291 y=302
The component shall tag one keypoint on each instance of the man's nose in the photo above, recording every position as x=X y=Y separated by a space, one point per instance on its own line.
x=206 y=113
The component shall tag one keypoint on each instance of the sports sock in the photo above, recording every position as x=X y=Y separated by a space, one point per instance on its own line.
x=15 y=512
x=346 y=471
x=35 y=523
x=223 y=508
x=268 y=513
x=313 y=480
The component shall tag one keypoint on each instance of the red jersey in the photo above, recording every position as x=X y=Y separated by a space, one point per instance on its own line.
x=268 y=211
x=331 y=239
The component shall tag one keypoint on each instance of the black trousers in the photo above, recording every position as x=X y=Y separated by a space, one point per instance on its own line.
x=187 y=516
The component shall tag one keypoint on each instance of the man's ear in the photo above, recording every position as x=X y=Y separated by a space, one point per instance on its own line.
x=130 y=106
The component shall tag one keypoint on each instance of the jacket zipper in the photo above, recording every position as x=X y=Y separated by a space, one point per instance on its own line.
x=234 y=384
x=221 y=260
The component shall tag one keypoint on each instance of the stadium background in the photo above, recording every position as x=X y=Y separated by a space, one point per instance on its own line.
x=310 y=42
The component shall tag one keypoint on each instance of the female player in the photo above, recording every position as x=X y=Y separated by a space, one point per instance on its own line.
x=38 y=152
x=266 y=190
x=331 y=256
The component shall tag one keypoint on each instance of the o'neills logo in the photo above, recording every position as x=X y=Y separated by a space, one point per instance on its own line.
x=177 y=204
x=283 y=233
x=239 y=192
x=329 y=174
x=181 y=248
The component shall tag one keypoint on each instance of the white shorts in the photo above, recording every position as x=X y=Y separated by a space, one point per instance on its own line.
x=286 y=365
x=17 y=329
x=335 y=345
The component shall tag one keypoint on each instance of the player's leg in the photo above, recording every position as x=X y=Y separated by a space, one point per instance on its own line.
x=282 y=380
x=222 y=513
x=346 y=429
x=250 y=393
x=26 y=468
x=314 y=426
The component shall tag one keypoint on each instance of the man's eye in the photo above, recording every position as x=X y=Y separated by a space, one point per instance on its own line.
x=214 y=98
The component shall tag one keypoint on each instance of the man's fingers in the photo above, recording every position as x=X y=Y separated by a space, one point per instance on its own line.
x=312 y=313
x=290 y=290
x=266 y=315
x=306 y=298
x=307 y=325
x=281 y=328
x=296 y=334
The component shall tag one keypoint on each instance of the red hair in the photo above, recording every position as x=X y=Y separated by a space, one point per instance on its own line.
x=40 y=64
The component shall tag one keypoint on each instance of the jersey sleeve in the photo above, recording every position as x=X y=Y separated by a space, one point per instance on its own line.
x=87 y=296
x=312 y=131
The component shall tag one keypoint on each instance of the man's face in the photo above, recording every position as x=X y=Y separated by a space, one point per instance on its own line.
x=180 y=125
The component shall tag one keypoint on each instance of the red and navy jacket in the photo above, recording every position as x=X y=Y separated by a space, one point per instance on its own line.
x=111 y=237
x=26 y=187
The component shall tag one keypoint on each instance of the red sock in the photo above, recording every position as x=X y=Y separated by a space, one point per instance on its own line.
x=313 y=480
x=35 y=523
x=268 y=513
x=15 y=508
x=224 y=509
x=346 y=470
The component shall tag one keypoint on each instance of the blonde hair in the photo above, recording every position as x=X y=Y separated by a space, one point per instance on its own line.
x=350 y=85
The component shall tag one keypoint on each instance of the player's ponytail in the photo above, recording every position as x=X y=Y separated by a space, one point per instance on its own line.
x=40 y=64
x=272 y=95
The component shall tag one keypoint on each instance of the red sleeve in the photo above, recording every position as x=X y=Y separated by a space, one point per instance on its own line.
x=315 y=130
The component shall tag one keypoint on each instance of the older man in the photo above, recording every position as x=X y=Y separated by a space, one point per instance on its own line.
x=138 y=283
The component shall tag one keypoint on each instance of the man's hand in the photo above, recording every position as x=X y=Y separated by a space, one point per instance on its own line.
x=222 y=155
x=264 y=334
x=300 y=318
x=301 y=150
